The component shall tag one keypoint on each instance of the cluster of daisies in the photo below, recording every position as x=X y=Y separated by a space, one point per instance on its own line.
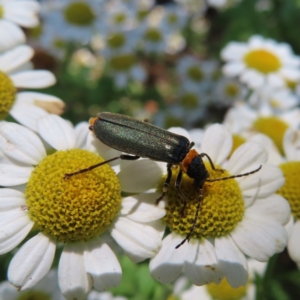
x=94 y=216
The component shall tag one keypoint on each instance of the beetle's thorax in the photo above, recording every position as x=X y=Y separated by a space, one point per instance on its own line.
x=194 y=167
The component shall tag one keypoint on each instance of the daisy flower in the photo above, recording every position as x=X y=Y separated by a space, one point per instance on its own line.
x=25 y=107
x=238 y=218
x=289 y=163
x=261 y=62
x=76 y=213
x=15 y=13
x=244 y=121
x=47 y=288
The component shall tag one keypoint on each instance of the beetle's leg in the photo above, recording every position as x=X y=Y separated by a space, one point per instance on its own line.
x=124 y=157
x=166 y=184
x=195 y=219
x=210 y=162
x=182 y=196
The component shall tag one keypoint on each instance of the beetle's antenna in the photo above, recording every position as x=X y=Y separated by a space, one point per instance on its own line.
x=235 y=176
x=201 y=198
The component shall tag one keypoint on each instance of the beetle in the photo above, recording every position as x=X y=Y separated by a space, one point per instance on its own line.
x=142 y=139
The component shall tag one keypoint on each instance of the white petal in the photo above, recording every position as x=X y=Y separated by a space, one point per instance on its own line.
x=263 y=183
x=275 y=81
x=139 y=176
x=14 y=58
x=139 y=241
x=168 y=262
x=291 y=144
x=294 y=243
x=74 y=282
x=33 y=79
x=57 y=132
x=102 y=264
x=274 y=207
x=233 y=69
x=253 y=78
x=204 y=268
x=234 y=51
x=217 y=143
x=14 y=227
x=32 y=262
x=11 y=199
x=246 y=158
x=21 y=144
x=232 y=262
x=27 y=114
x=11 y=175
x=259 y=237
x=11 y=35
x=81 y=133
x=142 y=208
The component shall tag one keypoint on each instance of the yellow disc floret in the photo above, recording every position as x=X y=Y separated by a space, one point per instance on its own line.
x=79 y=13
x=123 y=62
x=74 y=209
x=291 y=188
x=153 y=35
x=116 y=40
x=262 y=61
x=189 y=100
x=33 y=295
x=7 y=94
x=224 y=291
x=273 y=127
x=222 y=206
x=195 y=73
x=237 y=140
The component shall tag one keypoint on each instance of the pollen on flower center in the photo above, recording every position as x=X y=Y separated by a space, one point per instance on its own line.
x=74 y=209
x=7 y=94
x=231 y=90
x=189 y=100
x=79 y=13
x=291 y=188
x=237 y=140
x=222 y=206
x=122 y=62
x=120 y=18
x=33 y=295
x=194 y=73
x=172 y=18
x=153 y=35
x=1 y=11
x=263 y=61
x=224 y=291
x=116 y=40
x=273 y=127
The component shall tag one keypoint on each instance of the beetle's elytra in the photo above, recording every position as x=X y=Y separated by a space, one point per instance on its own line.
x=142 y=139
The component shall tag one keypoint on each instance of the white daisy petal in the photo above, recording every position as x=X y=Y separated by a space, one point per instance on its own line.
x=15 y=226
x=57 y=132
x=11 y=35
x=21 y=144
x=232 y=262
x=139 y=176
x=139 y=241
x=233 y=51
x=74 y=282
x=14 y=58
x=81 y=133
x=10 y=199
x=102 y=264
x=33 y=79
x=246 y=158
x=294 y=243
x=27 y=114
x=21 y=15
x=259 y=237
x=168 y=262
x=204 y=268
x=275 y=81
x=32 y=262
x=233 y=69
x=217 y=143
x=11 y=175
x=289 y=226
x=253 y=78
x=291 y=142
x=141 y=208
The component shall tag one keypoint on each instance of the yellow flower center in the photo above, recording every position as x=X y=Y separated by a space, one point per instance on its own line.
x=33 y=295
x=172 y=18
x=224 y=291
x=237 y=141
x=1 y=11
x=291 y=84
x=153 y=35
x=189 y=100
x=74 y=209
x=122 y=62
x=36 y=32
x=262 y=61
x=119 y=18
x=79 y=13
x=273 y=127
x=222 y=206
x=7 y=94
x=195 y=73
x=172 y=121
x=231 y=90
x=142 y=14
x=116 y=40
x=291 y=188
